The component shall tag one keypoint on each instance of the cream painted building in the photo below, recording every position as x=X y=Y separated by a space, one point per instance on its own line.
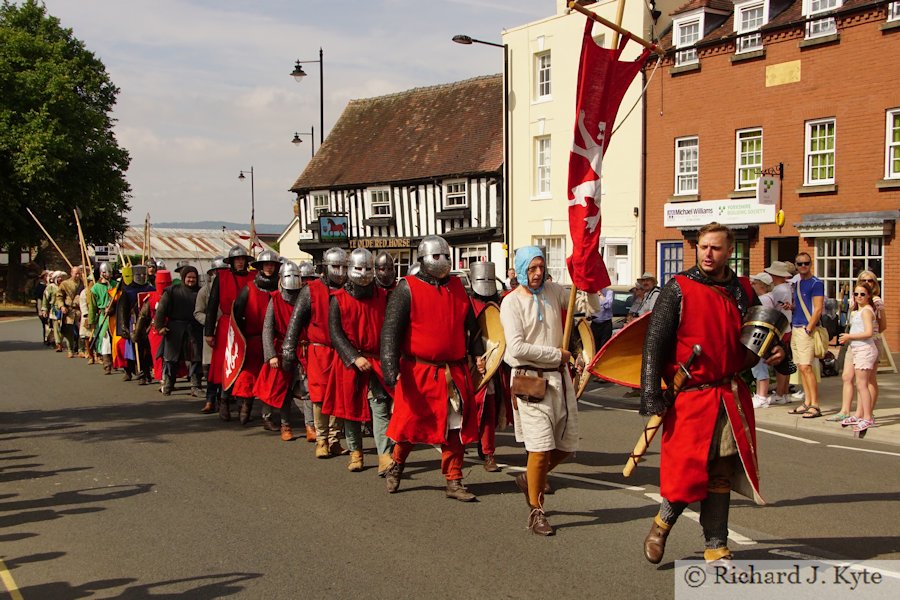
x=288 y=242
x=543 y=71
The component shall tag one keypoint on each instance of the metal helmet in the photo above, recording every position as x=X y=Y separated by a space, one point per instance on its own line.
x=361 y=267
x=182 y=264
x=335 y=261
x=413 y=269
x=434 y=254
x=151 y=262
x=291 y=276
x=218 y=262
x=160 y=264
x=385 y=271
x=484 y=278
x=307 y=270
x=106 y=270
x=127 y=275
x=237 y=251
x=266 y=256
x=139 y=274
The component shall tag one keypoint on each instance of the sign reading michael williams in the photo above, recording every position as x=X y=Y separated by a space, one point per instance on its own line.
x=333 y=229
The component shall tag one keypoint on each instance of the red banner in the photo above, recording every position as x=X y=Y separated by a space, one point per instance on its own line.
x=602 y=82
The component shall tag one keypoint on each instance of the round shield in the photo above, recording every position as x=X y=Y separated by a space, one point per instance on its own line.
x=620 y=359
x=494 y=344
x=582 y=348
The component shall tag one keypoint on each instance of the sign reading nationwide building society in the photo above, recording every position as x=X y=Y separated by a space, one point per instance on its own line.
x=727 y=212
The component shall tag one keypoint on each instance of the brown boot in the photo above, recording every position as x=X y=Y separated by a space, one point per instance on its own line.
x=384 y=463
x=522 y=484
x=490 y=465
x=268 y=425
x=286 y=433
x=392 y=477
x=244 y=413
x=225 y=409
x=356 y=461
x=310 y=433
x=655 y=542
x=208 y=408
x=457 y=491
x=335 y=449
x=322 y=449
x=538 y=524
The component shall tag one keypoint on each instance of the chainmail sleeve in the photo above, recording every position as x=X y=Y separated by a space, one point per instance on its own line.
x=659 y=344
x=342 y=345
x=268 y=332
x=212 y=309
x=299 y=320
x=393 y=332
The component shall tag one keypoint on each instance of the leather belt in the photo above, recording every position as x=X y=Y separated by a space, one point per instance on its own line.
x=711 y=384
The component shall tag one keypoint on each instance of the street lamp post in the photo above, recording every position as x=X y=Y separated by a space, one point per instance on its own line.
x=298 y=74
x=507 y=167
x=253 y=241
x=312 y=133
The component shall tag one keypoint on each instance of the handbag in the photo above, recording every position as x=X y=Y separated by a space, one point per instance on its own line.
x=529 y=388
x=819 y=334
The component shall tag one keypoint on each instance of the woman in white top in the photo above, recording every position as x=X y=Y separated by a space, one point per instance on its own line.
x=865 y=357
x=762 y=284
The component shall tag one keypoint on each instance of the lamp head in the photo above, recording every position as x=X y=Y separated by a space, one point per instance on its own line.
x=462 y=39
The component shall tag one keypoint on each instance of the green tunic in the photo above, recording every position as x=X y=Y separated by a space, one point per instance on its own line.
x=97 y=315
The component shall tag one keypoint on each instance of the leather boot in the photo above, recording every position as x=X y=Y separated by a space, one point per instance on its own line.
x=335 y=449
x=538 y=524
x=196 y=392
x=392 y=477
x=384 y=463
x=268 y=425
x=225 y=409
x=522 y=484
x=246 y=408
x=490 y=465
x=310 y=433
x=287 y=433
x=457 y=491
x=356 y=461
x=127 y=376
x=107 y=364
x=322 y=449
x=208 y=408
x=655 y=542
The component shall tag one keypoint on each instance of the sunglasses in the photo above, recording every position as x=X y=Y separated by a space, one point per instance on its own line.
x=860 y=294
x=867 y=281
x=802 y=264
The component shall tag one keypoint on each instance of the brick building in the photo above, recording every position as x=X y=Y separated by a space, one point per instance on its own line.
x=810 y=84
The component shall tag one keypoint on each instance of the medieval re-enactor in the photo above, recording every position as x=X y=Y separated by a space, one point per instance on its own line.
x=496 y=392
x=275 y=386
x=67 y=304
x=429 y=326
x=183 y=335
x=136 y=350
x=311 y=315
x=709 y=435
x=161 y=282
x=100 y=312
x=385 y=271
x=249 y=315
x=532 y=318
x=213 y=391
x=356 y=316
x=222 y=294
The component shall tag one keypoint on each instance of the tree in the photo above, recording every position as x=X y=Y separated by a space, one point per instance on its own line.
x=57 y=147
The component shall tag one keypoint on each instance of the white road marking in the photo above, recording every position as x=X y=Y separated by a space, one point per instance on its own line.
x=735 y=537
x=784 y=435
x=863 y=450
x=600 y=482
x=837 y=563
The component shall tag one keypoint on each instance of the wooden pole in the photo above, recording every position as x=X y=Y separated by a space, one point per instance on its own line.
x=649 y=45
x=49 y=237
x=85 y=259
x=620 y=13
x=570 y=317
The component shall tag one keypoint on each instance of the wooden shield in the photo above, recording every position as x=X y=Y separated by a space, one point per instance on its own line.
x=494 y=344
x=582 y=348
x=620 y=359
x=235 y=352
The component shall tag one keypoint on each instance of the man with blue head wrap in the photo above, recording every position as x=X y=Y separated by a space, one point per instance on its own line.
x=532 y=322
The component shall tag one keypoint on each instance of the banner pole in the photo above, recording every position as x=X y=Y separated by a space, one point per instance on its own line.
x=620 y=14
x=49 y=237
x=649 y=45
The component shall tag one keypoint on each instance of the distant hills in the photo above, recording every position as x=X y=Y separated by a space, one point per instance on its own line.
x=263 y=228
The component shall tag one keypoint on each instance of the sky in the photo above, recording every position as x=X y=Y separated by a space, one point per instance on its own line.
x=205 y=86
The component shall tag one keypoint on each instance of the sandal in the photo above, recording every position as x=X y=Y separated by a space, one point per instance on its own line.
x=799 y=410
x=851 y=420
x=812 y=412
x=837 y=418
x=862 y=425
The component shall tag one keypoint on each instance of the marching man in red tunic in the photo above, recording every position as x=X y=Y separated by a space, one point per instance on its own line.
x=709 y=434
x=356 y=316
x=428 y=326
x=311 y=315
x=222 y=294
x=249 y=315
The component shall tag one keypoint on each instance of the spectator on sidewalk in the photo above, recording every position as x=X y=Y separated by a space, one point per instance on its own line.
x=809 y=298
x=762 y=285
x=781 y=293
x=864 y=357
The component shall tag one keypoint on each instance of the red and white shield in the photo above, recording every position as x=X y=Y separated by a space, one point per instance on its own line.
x=235 y=351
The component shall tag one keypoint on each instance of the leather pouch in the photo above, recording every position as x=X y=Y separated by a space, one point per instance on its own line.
x=528 y=387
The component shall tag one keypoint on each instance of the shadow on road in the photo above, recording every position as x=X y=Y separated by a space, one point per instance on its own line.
x=76 y=498
x=204 y=587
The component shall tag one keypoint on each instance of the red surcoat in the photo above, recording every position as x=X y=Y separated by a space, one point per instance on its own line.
x=713 y=321
x=254 y=318
x=272 y=384
x=362 y=320
x=436 y=333
x=154 y=337
x=320 y=356
x=230 y=284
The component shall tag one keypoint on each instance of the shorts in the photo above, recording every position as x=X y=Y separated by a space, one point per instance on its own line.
x=802 y=346
x=552 y=423
x=865 y=355
x=760 y=370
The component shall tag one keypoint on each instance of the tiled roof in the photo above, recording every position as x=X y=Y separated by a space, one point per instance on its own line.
x=449 y=129
x=723 y=5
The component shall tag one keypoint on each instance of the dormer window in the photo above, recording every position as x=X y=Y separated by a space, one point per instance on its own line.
x=687 y=33
x=824 y=26
x=748 y=18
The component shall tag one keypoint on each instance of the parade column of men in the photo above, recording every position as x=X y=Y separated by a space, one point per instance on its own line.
x=181 y=333
x=135 y=347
